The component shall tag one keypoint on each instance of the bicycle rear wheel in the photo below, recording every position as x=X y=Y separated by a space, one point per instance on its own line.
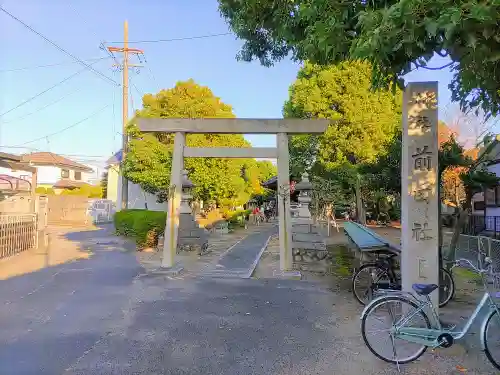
x=446 y=287
x=388 y=311
x=367 y=280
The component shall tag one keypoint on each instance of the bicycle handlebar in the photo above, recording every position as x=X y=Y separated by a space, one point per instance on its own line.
x=462 y=262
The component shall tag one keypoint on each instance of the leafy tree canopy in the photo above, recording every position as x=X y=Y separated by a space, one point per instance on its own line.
x=363 y=121
x=148 y=161
x=395 y=36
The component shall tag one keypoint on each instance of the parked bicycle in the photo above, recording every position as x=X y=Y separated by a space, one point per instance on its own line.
x=383 y=274
x=430 y=332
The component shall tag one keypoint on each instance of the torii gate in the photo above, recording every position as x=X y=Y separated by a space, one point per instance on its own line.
x=281 y=127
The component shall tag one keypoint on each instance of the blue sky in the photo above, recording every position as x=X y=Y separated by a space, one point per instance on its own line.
x=80 y=27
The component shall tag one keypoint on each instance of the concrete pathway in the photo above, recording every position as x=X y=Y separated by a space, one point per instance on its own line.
x=241 y=259
x=51 y=317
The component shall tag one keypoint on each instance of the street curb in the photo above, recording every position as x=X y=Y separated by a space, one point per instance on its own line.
x=256 y=261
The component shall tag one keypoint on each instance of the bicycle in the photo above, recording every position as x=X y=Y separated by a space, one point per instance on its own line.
x=383 y=277
x=435 y=334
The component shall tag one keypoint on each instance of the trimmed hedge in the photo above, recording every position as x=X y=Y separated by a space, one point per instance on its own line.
x=143 y=225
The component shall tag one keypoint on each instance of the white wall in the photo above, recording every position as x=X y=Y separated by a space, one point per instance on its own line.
x=47 y=175
x=137 y=198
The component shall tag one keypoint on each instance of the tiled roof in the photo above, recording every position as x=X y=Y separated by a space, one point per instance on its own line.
x=51 y=159
x=9 y=157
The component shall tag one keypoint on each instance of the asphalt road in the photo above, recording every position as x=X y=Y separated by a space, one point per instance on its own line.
x=49 y=318
x=94 y=317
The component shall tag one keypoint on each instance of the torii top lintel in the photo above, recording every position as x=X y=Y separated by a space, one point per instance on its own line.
x=233 y=126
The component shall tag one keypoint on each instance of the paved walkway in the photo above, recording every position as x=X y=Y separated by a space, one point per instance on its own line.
x=241 y=259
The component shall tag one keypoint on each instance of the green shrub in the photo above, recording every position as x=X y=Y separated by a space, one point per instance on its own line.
x=40 y=190
x=143 y=225
x=237 y=218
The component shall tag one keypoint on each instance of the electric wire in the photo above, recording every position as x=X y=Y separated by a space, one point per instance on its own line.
x=68 y=127
x=105 y=77
x=179 y=39
x=45 y=91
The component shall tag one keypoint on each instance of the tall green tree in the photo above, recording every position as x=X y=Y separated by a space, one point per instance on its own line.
x=363 y=124
x=395 y=36
x=363 y=121
x=148 y=161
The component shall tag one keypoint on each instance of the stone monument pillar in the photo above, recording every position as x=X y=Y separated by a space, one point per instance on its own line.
x=420 y=196
x=308 y=246
x=191 y=236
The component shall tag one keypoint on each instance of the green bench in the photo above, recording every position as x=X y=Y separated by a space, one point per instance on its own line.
x=367 y=241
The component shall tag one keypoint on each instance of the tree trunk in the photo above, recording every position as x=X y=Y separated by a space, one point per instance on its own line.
x=459 y=224
x=359 y=203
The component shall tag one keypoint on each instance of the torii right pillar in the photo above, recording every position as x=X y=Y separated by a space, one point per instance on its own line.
x=419 y=188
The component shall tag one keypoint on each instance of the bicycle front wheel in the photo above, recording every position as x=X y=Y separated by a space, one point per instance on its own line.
x=382 y=340
x=491 y=339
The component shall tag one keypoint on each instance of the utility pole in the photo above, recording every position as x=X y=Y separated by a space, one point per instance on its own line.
x=125 y=67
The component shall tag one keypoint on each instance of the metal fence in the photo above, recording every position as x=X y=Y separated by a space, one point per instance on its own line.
x=18 y=232
x=101 y=211
x=475 y=249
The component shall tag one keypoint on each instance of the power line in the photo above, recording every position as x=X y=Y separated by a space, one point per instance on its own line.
x=46 y=90
x=66 y=128
x=178 y=39
x=60 y=48
x=44 y=107
x=48 y=65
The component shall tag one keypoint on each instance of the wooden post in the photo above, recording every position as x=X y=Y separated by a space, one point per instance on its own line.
x=34 y=183
x=420 y=194
x=285 y=218
x=172 y=224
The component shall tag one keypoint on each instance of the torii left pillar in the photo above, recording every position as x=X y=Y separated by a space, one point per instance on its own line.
x=174 y=201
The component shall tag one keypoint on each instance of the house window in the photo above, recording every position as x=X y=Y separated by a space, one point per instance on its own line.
x=492 y=197
x=65 y=173
x=78 y=176
x=479 y=206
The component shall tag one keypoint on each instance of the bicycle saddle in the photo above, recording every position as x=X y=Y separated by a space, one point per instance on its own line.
x=424 y=289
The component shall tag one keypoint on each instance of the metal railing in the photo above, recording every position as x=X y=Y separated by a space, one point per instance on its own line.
x=475 y=249
x=18 y=232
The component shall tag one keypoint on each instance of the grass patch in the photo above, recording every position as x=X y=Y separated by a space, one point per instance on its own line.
x=466 y=275
x=342 y=260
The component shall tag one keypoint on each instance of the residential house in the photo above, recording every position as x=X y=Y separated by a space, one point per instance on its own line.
x=137 y=197
x=54 y=171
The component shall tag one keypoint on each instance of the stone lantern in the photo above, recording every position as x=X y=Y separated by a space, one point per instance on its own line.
x=191 y=236
x=308 y=245
x=186 y=195
x=305 y=188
